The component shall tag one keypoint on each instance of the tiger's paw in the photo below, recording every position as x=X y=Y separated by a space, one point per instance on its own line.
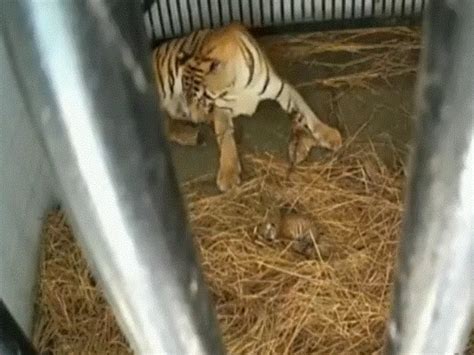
x=228 y=177
x=330 y=138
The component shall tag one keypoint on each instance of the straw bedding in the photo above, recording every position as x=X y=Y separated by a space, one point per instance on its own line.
x=269 y=299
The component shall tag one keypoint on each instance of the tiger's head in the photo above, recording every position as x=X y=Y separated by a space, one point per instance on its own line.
x=211 y=72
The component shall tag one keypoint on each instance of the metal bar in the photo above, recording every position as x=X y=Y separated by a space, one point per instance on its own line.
x=12 y=339
x=190 y=17
x=180 y=17
x=209 y=12
x=433 y=304
x=95 y=108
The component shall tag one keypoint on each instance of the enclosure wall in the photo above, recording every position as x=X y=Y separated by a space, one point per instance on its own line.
x=25 y=194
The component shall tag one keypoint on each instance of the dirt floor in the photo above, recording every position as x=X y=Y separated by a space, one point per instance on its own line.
x=377 y=109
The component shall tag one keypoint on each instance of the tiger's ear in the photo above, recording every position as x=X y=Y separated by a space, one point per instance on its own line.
x=182 y=57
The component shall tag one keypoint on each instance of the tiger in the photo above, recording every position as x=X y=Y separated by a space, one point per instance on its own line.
x=213 y=75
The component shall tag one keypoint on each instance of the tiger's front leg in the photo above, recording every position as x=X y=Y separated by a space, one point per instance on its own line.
x=228 y=175
x=307 y=130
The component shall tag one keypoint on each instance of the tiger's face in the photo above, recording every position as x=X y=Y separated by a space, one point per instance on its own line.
x=206 y=77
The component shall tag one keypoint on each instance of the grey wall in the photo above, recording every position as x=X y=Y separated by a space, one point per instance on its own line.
x=25 y=195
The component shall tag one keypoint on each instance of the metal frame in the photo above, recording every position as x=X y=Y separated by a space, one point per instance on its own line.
x=83 y=67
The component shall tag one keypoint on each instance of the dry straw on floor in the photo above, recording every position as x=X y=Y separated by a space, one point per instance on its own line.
x=269 y=299
x=352 y=58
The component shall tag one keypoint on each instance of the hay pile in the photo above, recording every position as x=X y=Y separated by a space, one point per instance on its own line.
x=352 y=58
x=269 y=299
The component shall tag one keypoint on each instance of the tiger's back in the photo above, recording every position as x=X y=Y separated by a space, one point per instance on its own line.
x=246 y=79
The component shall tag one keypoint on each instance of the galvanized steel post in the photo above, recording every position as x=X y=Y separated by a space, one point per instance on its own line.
x=433 y=299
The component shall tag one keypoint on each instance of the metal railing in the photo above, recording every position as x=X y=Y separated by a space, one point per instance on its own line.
x=173 y=18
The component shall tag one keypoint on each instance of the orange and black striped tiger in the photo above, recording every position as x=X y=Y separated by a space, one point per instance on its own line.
x=215 y=75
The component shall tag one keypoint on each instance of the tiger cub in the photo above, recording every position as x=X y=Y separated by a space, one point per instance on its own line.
x=215 y=75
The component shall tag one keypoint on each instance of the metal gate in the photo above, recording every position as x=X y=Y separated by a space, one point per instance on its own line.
x=173 y=18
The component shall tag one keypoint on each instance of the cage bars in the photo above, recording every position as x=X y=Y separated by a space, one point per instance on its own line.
x=276 y=16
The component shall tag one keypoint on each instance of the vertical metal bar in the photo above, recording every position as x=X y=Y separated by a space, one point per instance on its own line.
x=433 y=301
x=250 y=9
x=282 y=11
x=266 y=12
x=272 y=16
x=343 y=11
x=384 y=7
x=225 y=11
x=152 y=25
x=363 y=8
x=167 y=30
x=201 y=15
x=97 y=112
x=313 y=9
x=13 y=340
x=323 y=6
x=160 y=19
x=256 y=13
x=184 y=15
x=231 y=14
x=190 y=15
x=241 y=11
x=219 y=12
x=180 y=17
x=170 y=16
x=353 y=9
x=209 y=11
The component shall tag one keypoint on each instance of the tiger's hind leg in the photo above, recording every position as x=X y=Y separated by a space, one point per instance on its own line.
x=228 y=175
x=307 y=130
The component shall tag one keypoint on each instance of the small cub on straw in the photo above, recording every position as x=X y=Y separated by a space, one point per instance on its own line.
x=287 y=225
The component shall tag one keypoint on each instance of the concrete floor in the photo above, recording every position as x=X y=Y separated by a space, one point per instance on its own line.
x=381 y=115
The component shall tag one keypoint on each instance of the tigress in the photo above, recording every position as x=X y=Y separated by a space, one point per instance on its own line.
x=215 y=75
